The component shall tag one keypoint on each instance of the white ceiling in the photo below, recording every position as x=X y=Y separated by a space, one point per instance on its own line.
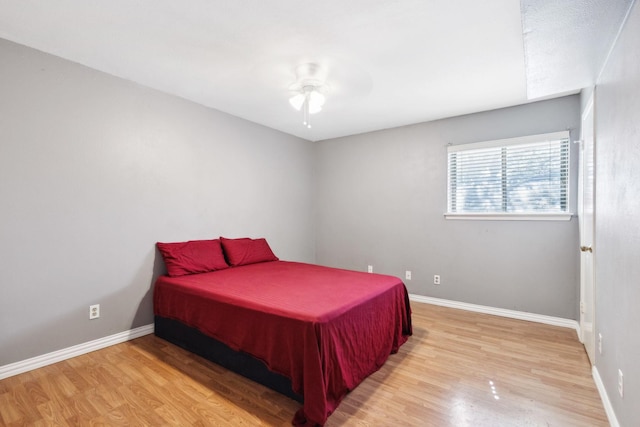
x=388 y=62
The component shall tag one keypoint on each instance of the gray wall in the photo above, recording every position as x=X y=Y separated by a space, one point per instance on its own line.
x=381 y=198
x=617 y=211
x=94 y=170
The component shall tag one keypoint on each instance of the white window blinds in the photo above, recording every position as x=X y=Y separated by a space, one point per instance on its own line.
x=527 y=175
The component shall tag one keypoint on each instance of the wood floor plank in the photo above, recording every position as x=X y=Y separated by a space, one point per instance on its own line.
x=52 y=414
x=459 y=368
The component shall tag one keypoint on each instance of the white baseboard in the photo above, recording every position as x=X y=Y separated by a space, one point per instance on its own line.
x=521 y=315
x=16 y=368
x=608 y=408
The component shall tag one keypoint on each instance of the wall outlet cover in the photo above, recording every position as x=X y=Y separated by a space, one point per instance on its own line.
x=94 y=311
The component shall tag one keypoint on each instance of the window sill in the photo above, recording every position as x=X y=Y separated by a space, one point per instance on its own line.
x=510 y=216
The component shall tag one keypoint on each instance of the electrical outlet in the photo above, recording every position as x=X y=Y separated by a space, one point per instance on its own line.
x=94 y=311
x=436 y=279
x=370 y=269
x=620 y=383
x=407 y=275
x=600 y=343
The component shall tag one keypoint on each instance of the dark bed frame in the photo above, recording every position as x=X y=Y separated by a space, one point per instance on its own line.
x=211 y=349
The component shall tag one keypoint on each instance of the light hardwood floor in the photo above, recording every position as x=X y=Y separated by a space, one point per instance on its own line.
x=458 y=369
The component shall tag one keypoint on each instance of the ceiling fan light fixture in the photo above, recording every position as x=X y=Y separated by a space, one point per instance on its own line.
x=310 y=96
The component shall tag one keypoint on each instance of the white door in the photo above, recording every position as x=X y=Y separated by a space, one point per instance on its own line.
x=586 y=224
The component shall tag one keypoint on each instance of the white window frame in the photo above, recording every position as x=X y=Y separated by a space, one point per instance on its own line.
x=508 y=216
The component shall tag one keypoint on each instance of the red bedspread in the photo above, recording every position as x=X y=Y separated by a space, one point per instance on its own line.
x=326 y=329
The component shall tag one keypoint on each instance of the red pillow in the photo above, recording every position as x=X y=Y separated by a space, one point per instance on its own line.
x=194 y=256
x=247 y=251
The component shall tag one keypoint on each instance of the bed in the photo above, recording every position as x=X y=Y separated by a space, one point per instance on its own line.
x=311 y=332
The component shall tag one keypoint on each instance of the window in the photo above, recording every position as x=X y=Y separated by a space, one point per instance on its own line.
x=518 y=178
